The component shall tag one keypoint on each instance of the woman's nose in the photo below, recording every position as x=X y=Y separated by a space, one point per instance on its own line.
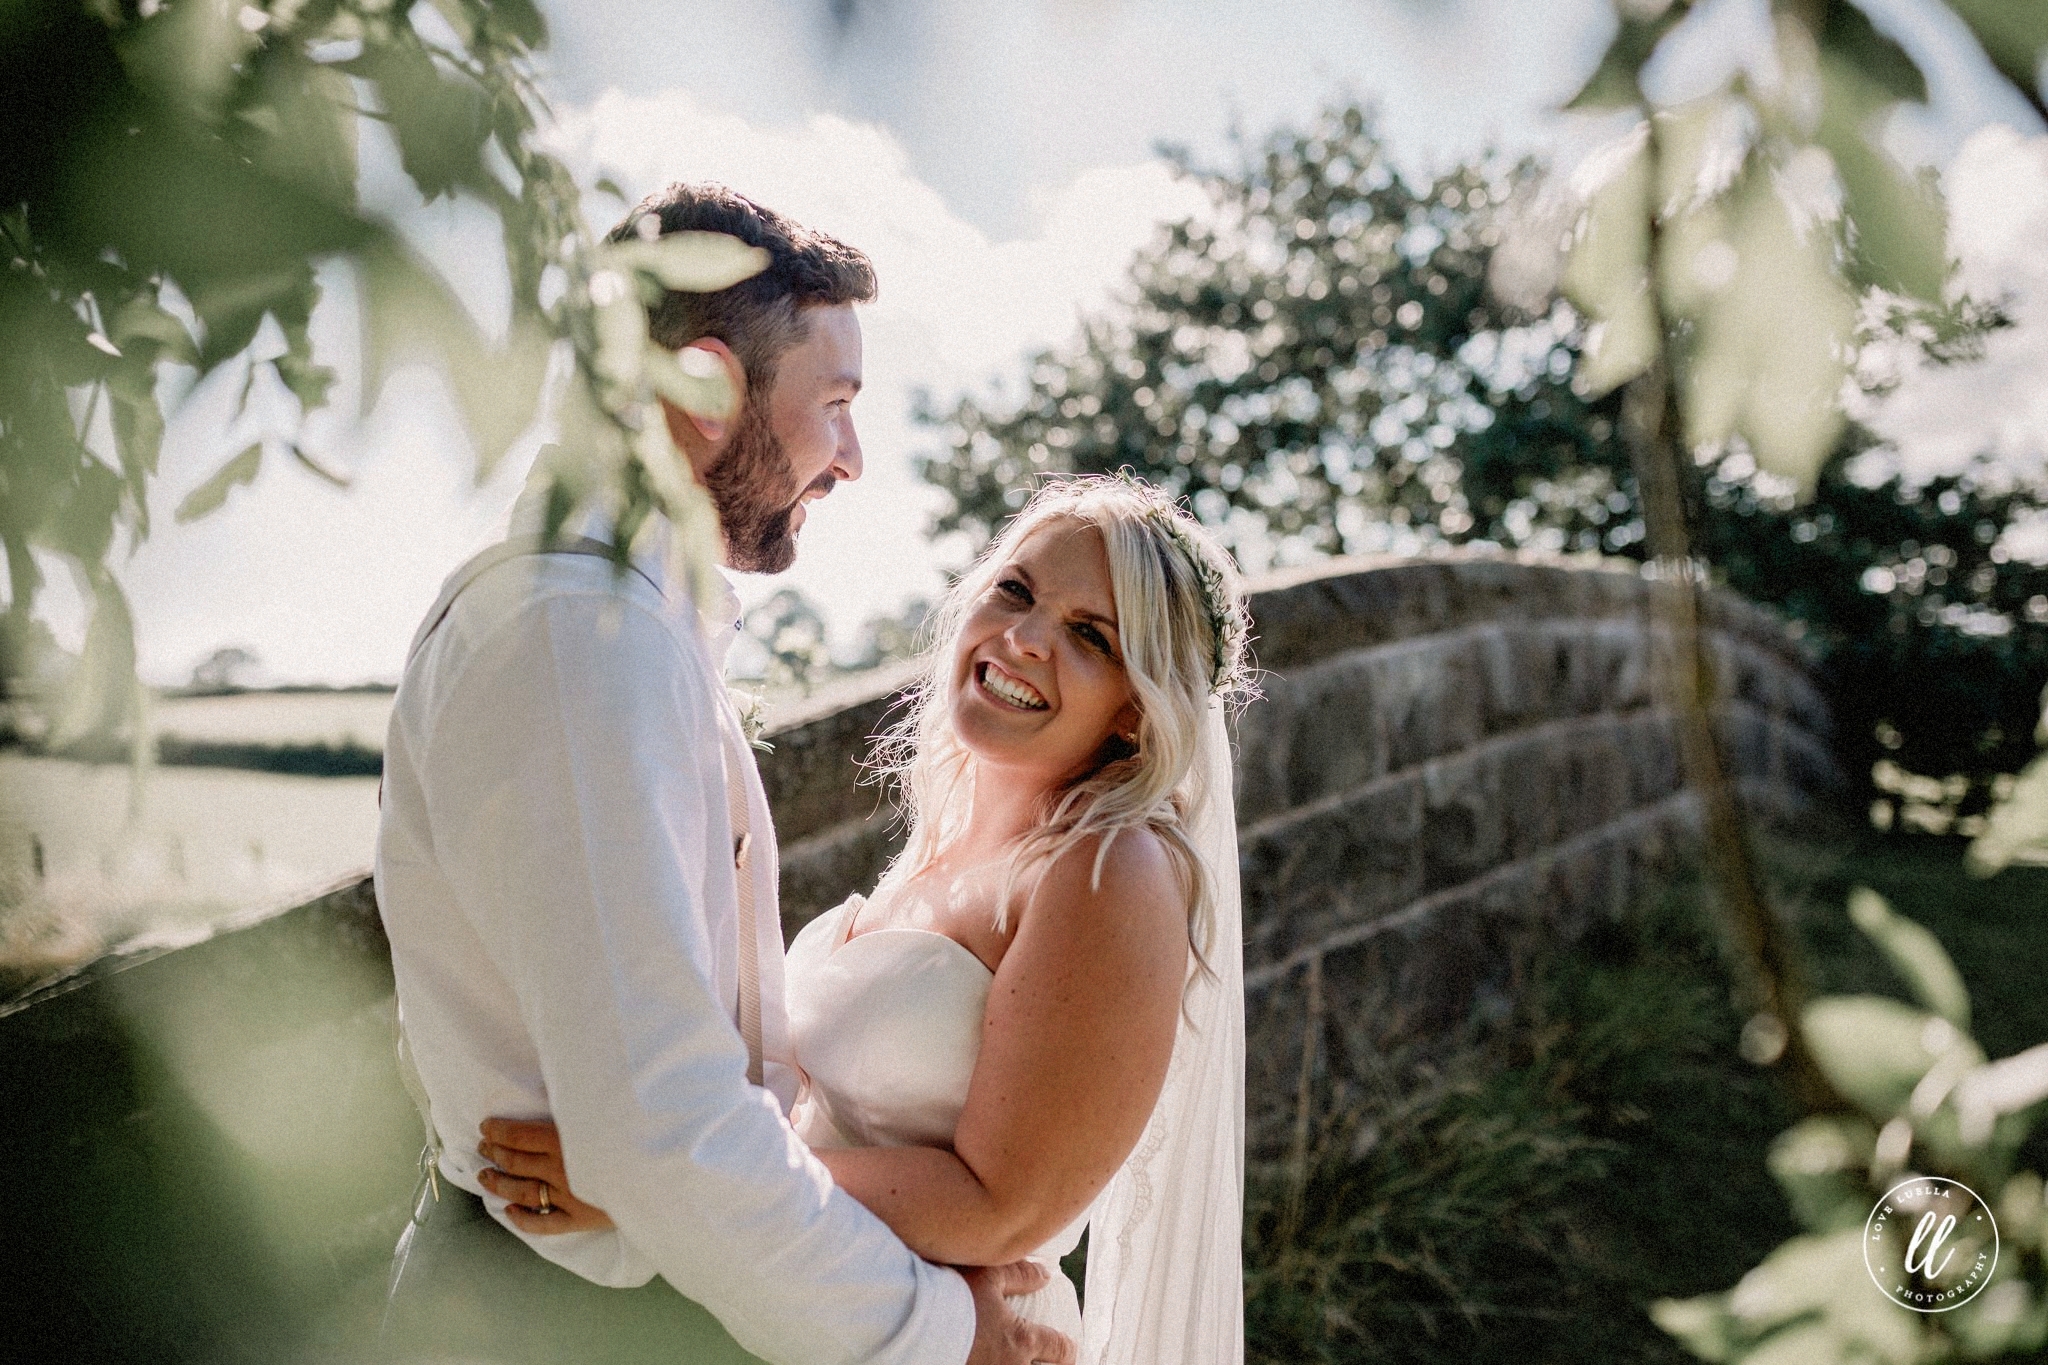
x=1029 y=636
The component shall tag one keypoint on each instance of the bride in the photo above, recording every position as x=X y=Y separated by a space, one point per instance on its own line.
x=1035 y=1023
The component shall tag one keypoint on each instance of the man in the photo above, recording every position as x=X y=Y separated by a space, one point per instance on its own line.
x=574 y=841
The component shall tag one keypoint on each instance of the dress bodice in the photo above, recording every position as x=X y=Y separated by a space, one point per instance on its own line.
x=885 y=1028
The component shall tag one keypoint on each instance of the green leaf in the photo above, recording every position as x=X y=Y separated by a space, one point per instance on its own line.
x=1915 y=954
x=706 y=393
x=440 y=121
x=308 y=382
x=318 y=470
x=1606 y=276
x=1847 y=34
x=140 y=322
x=2017 y=828
x=693 y=262
x=1617 y=81
x=1768 y=357
x=1702 y=1325
x=410 y=316
x=211 y=494
x=100 y=696
x=1820 y=1164
x=313 y=108
x=1896 y=225
x=82 y=524
x=138 y=423
x=2013 y=34
x=1874 y=1050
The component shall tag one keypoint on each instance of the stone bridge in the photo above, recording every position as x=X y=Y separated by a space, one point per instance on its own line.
x=1456 y=760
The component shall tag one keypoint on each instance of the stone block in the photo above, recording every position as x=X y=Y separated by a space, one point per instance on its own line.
x=1527 y=791
x=813 y=775
x=1334 y=734
x=1338 y=865
x=1430 y=699
x=1464 y=818
x=1654 y=762
x=1594 y=784
x=819 y=872
x=1259 y=740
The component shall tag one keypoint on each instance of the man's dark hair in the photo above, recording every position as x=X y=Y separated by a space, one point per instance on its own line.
x=759 y=317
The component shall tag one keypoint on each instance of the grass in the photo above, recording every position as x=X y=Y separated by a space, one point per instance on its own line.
x=1525 y=1191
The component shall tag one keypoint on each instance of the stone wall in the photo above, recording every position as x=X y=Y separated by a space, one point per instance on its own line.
x=1455 y=760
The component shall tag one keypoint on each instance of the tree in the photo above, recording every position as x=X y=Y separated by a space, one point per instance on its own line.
x=1322 y=367
x=175 y=171
x=222 y=670
x=1333 y=362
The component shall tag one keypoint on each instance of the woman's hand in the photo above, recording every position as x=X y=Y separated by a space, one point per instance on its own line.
x=526 y=1170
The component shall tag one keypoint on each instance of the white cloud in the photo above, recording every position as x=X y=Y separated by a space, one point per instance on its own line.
x=955 y=308
x=1942 y=416
x=328 y=585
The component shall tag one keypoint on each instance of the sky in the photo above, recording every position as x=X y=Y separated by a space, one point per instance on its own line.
x=999 y=160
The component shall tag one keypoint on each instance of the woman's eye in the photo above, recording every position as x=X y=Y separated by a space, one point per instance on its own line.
x=1015 y=591
x=1093 y=636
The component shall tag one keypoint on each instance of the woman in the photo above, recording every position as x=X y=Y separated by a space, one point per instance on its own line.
x=1035 y=1023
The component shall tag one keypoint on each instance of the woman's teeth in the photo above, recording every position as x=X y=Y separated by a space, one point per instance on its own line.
x=1016 y=693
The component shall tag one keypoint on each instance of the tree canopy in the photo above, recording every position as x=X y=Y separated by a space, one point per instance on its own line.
x=176 y=172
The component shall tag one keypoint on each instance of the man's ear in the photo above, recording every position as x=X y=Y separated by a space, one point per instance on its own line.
x=703 y=433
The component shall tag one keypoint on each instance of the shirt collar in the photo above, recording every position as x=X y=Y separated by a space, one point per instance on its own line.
x=718 y=623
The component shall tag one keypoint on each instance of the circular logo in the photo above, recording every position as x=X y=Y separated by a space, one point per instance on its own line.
x=1930 y=1244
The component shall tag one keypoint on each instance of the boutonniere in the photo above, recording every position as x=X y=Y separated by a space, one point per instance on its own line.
x=753 y=714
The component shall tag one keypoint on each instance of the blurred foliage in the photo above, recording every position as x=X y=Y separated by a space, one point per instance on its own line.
x=784 y=645
x=789 y=634
x=1926 y=1102
x=1519 y=1191
x=1329 y=363
x=1526 y=1189
x=175 y=175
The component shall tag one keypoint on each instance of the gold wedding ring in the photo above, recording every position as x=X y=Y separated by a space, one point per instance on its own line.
x=546 y=1205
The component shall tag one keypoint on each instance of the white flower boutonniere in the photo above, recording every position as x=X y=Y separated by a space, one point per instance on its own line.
x=753 y=713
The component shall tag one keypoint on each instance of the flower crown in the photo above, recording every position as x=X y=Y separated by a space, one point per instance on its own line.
x=1228 y=622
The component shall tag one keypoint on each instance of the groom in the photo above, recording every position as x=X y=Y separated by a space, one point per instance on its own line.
x=574 y=843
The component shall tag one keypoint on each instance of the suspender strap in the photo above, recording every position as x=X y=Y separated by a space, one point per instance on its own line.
x=498 y=554
x=750 y=942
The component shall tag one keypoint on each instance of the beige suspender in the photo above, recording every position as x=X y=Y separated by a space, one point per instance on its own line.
x=750 y=942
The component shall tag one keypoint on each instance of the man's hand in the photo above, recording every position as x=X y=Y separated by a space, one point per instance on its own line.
x=527 y=1172
x=1000 y=1336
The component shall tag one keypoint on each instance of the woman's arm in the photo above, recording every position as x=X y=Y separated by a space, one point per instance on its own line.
x=1075 y=1043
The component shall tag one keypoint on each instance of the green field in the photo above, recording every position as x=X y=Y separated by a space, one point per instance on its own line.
x=335 y=718
x=95 y=854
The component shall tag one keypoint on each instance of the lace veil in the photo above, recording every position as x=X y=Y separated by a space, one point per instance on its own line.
x=1165 y=1245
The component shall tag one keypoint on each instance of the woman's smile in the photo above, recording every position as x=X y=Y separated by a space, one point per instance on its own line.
x=1008 y=689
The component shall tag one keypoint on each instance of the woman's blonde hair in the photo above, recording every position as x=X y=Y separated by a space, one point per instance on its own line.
x=1182 y=624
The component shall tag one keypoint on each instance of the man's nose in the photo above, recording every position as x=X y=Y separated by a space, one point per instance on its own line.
x=847 y=462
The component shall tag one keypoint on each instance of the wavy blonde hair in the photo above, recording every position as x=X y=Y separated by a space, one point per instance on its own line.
x=1182 y=623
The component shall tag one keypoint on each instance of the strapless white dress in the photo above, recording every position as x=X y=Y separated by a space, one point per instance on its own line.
x=886 y=1028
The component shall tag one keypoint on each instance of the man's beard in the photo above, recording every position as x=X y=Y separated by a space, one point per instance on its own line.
x=750 y=486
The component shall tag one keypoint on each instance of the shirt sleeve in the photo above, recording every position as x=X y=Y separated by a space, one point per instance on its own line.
x=577 y=797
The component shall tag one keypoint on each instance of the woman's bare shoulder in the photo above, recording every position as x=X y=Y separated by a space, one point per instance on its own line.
x=1138 y=883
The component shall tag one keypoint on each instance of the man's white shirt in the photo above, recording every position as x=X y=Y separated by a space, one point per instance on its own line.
x=555 y=868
